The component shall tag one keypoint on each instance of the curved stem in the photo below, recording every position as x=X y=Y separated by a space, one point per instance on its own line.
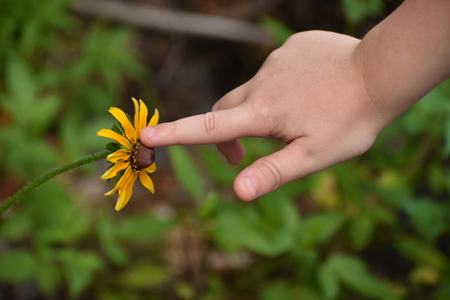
x=44 y=178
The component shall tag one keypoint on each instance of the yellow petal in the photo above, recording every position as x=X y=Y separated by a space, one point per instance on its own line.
x=111 y=172
x=121 y=154
x=155 y=118
x=121 y=182
x=146 y=181
x=126 y=191
x=151 y=168
x=130 y=132
x=108 y=133
x=143 y=114
x=136 y=114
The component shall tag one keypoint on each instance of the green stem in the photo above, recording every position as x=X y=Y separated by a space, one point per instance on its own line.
x=44 y=178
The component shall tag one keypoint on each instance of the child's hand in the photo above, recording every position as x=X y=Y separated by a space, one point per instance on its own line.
x=325 y=94
x=309 y=93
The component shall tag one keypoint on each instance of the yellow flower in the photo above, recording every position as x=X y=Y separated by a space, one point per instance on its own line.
x=136 y=159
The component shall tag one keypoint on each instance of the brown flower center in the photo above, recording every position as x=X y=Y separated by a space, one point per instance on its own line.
x=141 y=156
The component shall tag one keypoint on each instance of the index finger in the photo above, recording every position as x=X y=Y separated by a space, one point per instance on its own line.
x=211 y=128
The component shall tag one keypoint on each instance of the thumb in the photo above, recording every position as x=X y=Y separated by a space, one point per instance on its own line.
x=211 y=128
x=271 y=172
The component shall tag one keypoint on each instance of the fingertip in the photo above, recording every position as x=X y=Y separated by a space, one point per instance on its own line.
x=245 y=188
x=146 y=135
x=248 y=185
x=233 y=151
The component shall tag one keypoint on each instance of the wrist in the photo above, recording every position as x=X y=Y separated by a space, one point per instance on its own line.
x=405 y=56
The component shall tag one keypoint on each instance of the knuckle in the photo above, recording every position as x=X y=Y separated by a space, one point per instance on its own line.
x=271 y=172
x=210 y=124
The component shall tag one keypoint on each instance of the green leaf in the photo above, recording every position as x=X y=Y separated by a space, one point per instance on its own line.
x=210 y=206
x=319 y=228
x=255 y=229
x=238 y=227
x=221 y=171
x=144 y=275
x=278 y=30
x=15 y=227
x=112 y=147
x=46 y=271
x=352 y=272
x=79 y=269
x=328 y=282
x=117 y=129
x=358 y=10
x=186 y=172
x=428 y=217
x=44 y=113
x=21 y=86
x=422 y=252
x=106 y=231
x=446 y=150
x=19 y=160
x=276 y=290
x=16 y=266
x=141 y=229
x=361 y=230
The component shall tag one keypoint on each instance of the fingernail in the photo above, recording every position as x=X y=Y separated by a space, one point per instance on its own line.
x=150 y=132
x=251 y=186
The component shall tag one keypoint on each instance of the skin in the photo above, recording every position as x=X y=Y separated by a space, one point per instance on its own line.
x=326 y=95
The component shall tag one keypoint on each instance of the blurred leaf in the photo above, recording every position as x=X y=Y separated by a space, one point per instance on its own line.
x=428 y=217
x=382 y=215
x=328 y=283
x=357 y=10
x=186 y=171
x=352 y=272
x=184 y=290
x=79 y=138
x=275 y=290
x=221 y=171
x=361 y=230
x=144 y=275
x=319 y=228
x=15 y=227
x=277 y=29
x=44 y=113
x=237 y=227
x=443 y=290
x=46 y=271
x=106 y=231
x=208 y=208
x=55 y=215
x=258 y=147
x=79 y=269
x=22 y=87
x=393 y=189
x=422 y=252
x=18 y=160
x=278 y=211
x=446 y=150
x=425 y=274
x=325 y=190
x=271 y=230
x=23 y=95
x=141 y=229
x=16 y=266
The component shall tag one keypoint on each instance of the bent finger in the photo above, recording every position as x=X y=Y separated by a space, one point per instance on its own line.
x=233 y=151
x=231 y=99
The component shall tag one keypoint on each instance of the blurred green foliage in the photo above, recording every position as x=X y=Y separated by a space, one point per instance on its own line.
x=375 y=227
